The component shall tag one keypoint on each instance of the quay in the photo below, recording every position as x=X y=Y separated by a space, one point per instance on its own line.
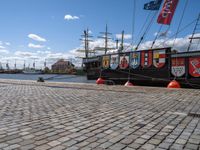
x=69 y=116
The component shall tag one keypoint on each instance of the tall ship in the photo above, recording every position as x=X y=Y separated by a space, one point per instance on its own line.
x=152 y=66
x=29 y=70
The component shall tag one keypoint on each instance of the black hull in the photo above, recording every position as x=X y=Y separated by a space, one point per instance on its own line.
x=150 y=76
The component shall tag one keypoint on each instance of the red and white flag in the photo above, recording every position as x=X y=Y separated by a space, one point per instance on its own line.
x=194 y=66
x=167 y=12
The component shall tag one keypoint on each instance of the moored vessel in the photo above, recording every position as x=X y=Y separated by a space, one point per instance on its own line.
x=153 y=66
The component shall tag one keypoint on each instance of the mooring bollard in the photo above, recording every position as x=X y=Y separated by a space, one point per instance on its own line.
x=40 y=79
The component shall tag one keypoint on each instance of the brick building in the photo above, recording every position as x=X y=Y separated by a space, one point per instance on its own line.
x=62 y=66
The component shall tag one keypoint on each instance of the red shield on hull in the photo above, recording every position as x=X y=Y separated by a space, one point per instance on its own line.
x=105 y=62
x=159 y=58
x=194 y=66
x=178 y=67
x=124 y=62
x=146 y=58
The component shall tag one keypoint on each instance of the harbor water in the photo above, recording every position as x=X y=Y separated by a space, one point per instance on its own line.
x=48 y=77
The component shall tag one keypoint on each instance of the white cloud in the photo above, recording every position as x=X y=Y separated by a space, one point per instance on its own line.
x=70 y=17
x=180 y=44
x=4 y=51
x=31 y=45
x=90 y=32
x=7 y=43
x=2 y=47
x=24 y=54
x=36 y=38
x=126 y=36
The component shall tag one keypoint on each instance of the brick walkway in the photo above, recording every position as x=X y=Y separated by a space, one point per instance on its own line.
x=59 y=116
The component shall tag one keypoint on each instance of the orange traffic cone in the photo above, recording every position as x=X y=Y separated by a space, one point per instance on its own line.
x=100 y=81
x=128 y=83
x=174 y=84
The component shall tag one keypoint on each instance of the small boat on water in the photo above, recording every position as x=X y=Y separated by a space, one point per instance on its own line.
x=153 y=66
x=32 y=71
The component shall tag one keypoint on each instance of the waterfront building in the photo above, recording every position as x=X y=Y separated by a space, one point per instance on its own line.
x=62 y=66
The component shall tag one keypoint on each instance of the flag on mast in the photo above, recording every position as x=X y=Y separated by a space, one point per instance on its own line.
x=167 y=12
x=153 y=5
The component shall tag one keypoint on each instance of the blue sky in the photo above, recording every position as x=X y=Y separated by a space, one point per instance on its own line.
x=51 y=29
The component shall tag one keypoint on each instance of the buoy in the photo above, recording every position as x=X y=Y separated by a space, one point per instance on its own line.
x=173 y=84
x=128 y=83
x=100 y=81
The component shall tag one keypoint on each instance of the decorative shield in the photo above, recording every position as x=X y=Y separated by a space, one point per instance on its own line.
x=105 y=62
x=178 y=67
x=146 y=58
x=159 y=58
x=135 y=59
x=194 y=66
x=114 y=61
x=124 y=61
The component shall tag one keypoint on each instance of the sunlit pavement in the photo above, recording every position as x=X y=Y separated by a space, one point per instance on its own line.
x=59 y=116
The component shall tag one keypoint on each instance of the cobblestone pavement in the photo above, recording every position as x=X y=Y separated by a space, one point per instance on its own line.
x=58 y=116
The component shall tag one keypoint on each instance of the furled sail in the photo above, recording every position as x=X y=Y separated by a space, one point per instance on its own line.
x=167 y=12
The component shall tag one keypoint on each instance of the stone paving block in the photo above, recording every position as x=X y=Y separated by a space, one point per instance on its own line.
x=106 y=145
x=27 y=147
x=40 y=142
x=54 y=143
x=176 y=147
x=134 y=145
x=148 y=147
x=10 y=147
x=181 y=141
x=70 y=143
x=191 y=146
x=59 y=147
x=126 y=141
x=117 y=146
x=2 y=145
x=165 y=145
x=93 y=145
x=15 y=141
x=72 y=148
x=194 y=141
x=129 y=148
x=154 y=141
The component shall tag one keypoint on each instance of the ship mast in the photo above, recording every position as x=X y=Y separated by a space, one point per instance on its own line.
x=45 y=63
x=24 y=64
x=86 y=39
x=86 y=43
x=7 y=65
x=122 y=43
x=34 y=63
x=117 y=42
x=1 y=67
x=15 y=65
x=106 y=37
x=197 y=25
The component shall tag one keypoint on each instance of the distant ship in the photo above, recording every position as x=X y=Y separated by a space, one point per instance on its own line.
x=31 y=71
